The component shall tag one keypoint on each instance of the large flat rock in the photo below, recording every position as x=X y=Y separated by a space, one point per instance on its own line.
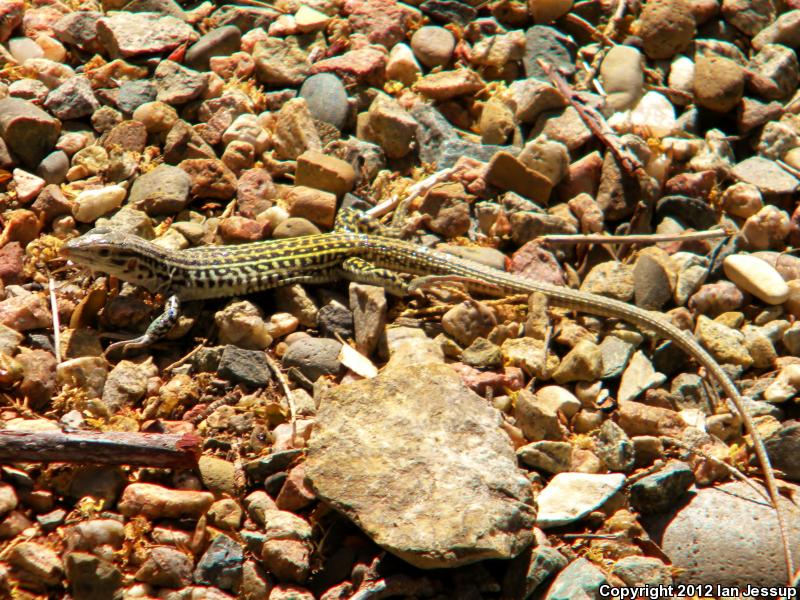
x=726 y=535
x=419 y=462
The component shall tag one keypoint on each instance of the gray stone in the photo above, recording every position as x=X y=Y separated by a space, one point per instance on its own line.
x=79 y=29
x=368 y=305
x=662 y=490
x=766 y=175
x=221 y=565
x=28 y=131
x=614 y=447
x=616 y=352
x=221 y=41
x=244 y=366
x=326 y=99
x=53 y=168
x=530 y=569
x=418 y=462
x=162 y=191
x=176 y=84
x=132 y=94
x=261 y=468
x=783 y=447
x=581 y=580
x=551 y=46
x=642 y=570
x=166 y=567
x=73 y=99
x=440 y=144
x=335 y=319
x=449 y=11
x=314 y=357
x=548 y=456
x=571 y=496
x=126 y=384
x=726 y=535
x=90 y=577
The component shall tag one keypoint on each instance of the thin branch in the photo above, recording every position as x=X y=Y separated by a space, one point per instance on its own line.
x=112 y=448
x=56 y=322
x=596 y=123
x=276 y=370
x=644 y=238
x=417 y=189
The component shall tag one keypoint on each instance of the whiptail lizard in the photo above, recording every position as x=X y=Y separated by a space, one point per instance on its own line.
x=356 y=250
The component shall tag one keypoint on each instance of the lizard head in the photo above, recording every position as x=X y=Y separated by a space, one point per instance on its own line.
x=123 y=255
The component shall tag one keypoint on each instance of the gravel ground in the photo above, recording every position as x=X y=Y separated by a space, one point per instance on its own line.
x=338 y=442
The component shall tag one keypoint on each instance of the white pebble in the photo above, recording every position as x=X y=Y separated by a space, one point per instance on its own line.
x=23 y=48
x=785 y=386
x=246 y=128
x=756 y=276
x=90 y=204
x=402 y=65
x=655 y=113
x=681 y=75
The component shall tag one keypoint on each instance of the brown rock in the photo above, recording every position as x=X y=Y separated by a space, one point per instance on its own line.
x=50 y=203
x=667 y=27
x=210 y=178
x=323 y=172
x=295 y=227
x=387 y=124
x=28 y=131
x=718 y=83
x=255 y=192
x=39 y=376
x=641 y=419
x=128 y=135
x=295 y=131
x=449 y=84
x=25 y=312
x=295 y=494
x=507 y=173
x=157 y=502
x=317 y=206
x=11 y=256
x=235 y=229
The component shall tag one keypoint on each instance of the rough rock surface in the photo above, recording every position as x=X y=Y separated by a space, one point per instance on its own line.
x=422 y=468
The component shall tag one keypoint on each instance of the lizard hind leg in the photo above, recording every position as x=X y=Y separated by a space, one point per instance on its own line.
x=362 y=271
x=355 y=221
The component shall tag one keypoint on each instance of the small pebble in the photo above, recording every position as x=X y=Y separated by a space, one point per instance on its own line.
x=757 y=277
x=432 y=45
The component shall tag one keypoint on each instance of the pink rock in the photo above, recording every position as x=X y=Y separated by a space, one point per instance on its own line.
x=365 y=66
x=512 y=378
x=28 y=185
x=295 y=494
x=238 y=64
x=694 y=185
x=11 y=12
x=132 y=34
x=384 y=22
x=534 y=262
x=583 y=177
x=40 y=20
